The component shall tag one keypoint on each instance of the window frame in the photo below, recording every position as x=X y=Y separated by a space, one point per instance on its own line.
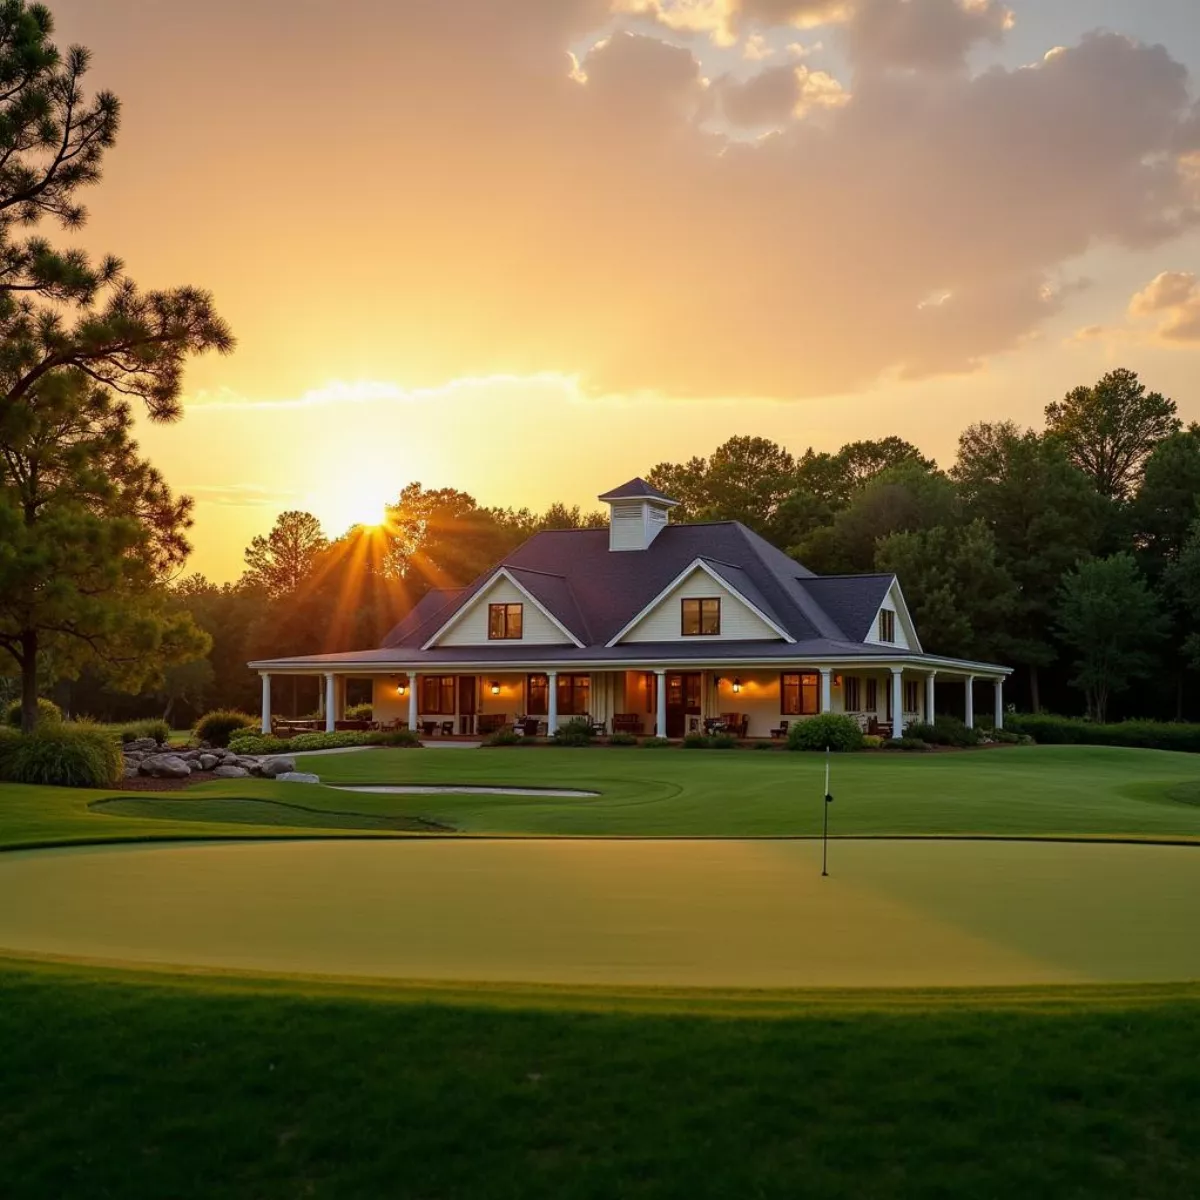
x=852 y=691
x=802 y=690
x=887 y=625
x=700 y=616
x=912 y=692
x=501 y=631
x=872 y=696
x=572 y=686
x=537 y=682
x=446 y=689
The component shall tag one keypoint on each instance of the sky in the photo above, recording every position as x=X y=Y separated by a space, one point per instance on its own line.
x=530 y=248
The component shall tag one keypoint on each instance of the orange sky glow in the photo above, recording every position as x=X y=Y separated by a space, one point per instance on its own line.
x=530 y=249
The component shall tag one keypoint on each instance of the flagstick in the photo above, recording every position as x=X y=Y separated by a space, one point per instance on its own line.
x=825 y=836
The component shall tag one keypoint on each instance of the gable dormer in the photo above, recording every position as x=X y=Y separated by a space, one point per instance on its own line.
x=637 y=514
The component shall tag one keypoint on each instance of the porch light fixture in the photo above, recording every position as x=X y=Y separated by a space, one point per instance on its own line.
x=401 y=688
x=737 y=685
x=837 y=681
x=495 y=688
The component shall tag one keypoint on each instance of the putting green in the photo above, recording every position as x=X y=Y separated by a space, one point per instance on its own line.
x=729 y=913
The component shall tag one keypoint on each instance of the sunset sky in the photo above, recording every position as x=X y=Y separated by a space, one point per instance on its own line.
x=529 y=248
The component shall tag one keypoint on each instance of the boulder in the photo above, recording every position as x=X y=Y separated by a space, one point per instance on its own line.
x=143 y=744
x=297 y=777
x=273 y=767
x=165 y=766
x=230 y=772
x=131 y=771
x=208 y=761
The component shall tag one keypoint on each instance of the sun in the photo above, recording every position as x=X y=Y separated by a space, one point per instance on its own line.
x=349 y=502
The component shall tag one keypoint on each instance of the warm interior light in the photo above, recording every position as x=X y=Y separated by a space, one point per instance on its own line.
x=837 y=681
x=737 y=685
x=401 y=688
x=495 y=688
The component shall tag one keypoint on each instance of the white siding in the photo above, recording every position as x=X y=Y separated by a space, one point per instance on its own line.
x=663 y=623
x=904 y=635
x=471 y=629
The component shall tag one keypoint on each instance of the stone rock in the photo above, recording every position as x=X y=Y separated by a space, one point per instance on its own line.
x=208 y=761
x=143 y=744
x=230 y=772
x=165 y=766
x=131 y=771
x=297 y=777
x=272 y=767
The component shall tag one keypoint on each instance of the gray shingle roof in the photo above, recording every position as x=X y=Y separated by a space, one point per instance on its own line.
x=636 y=489
x=853 y=599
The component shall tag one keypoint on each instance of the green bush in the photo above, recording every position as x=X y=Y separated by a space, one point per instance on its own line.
x=48 y=713
x=1005 y=736
x=249 y=742
x=723 y=741
x=835 y=730
x=152 y=727
x=396 y=737
x=945 y=731
x=621 y=738
x=908 y=742
x=62 y=754
x=360 y=712
x=696 y=741
x=218 y=726
x=872 y=741
x=655 y=743
x=1050 y=730
x=761 y=745
x=575 y=732
x=504 y=737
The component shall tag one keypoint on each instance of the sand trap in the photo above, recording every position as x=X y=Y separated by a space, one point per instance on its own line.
x=460 y=790
x=737 y=914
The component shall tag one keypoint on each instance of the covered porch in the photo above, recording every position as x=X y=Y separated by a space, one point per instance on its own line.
x=752 y=701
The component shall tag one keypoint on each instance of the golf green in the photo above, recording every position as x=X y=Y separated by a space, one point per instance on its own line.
x=691 y=913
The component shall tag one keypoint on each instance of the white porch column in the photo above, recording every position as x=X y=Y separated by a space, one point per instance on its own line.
x=897 y=702
x=551 y=702
x=330 y=702
x=266 y=704
x=999 y=686
x=930 y=696
x=826 y=689
x=970 y=701
x=660 y=714
x=412 y=701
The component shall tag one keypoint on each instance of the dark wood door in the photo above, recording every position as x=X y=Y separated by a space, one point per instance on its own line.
x=683 y=701
x=468 y=691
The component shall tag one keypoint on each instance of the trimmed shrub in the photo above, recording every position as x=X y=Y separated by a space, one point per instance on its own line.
x=575 y=732
x=152 y=727
x=48 y=713
x=1006 y=737
x=218 y=726
x=248 y=742
x=398 y=737
x=504 y=737
x=656 y=743
x=360 y=712
x=835 y=730
x=906 y=743
x=723 y=741
x=622 y=739
x=696 y=741
x=761 y=745
x=1050 y=730
x=945 y=731
x=62 y=754
x=872 y=741
x=258 y=743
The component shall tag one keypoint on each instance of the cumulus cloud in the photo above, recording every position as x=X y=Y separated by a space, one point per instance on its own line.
x=776 y=96
x=932 y=35
x=495 y=215
x=1172 y=299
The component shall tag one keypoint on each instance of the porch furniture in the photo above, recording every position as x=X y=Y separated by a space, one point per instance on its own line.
x=428 y=728
x=735 y=723
x=526 y=726
x=780 y=731
x=598 y=728
x=447 y=729
x=491 y=723
x=627 y=723
x=714 y=725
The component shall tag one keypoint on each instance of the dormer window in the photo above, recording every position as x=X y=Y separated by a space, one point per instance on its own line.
x=887 y=625
x=701 y=618
x=505 y=622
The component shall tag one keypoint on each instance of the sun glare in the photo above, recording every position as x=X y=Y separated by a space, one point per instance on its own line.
x=352 y=502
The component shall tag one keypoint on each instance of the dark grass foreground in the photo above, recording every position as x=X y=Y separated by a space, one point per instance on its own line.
x=141 y=1086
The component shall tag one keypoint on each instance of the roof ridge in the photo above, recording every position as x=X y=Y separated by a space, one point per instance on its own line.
x=534 y=570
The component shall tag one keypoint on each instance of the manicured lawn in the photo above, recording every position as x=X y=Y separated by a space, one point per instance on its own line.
x=1074 y=791
x=148 y=1086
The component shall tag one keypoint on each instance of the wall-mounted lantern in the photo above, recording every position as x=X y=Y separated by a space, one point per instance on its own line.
x=737 y=685
x=495 y=688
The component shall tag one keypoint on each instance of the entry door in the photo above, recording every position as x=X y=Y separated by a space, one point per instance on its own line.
x=683 y=701
x=468 y=687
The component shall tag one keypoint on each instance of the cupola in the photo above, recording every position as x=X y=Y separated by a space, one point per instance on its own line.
x=637 y=514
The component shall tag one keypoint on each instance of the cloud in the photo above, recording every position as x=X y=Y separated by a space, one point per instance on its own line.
x=931 y=35
x=485 y=213
x=238 y=495
x=1172 y=299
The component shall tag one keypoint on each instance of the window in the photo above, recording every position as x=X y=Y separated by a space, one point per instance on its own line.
x=650 y=685
x=701 y=618
x=505 y=621
x=437 y=695
x=537 y=693
x=574 y=695
x=912 y=695
x=872 y=695
x=800 y=694
x=853 y=694
x=887 y=625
